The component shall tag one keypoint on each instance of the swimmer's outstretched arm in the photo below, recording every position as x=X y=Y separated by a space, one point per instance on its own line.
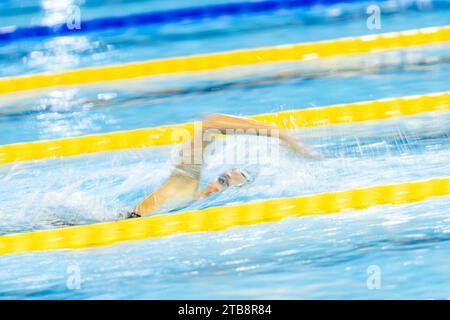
x=182 y=185
x=223 y=122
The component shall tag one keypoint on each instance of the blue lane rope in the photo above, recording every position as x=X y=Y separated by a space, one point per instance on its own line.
x=162 y=17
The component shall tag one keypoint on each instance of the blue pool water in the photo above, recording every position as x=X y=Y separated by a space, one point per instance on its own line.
x=226 y=33
x=100 y=109
x=310 y=257
x=290 y=259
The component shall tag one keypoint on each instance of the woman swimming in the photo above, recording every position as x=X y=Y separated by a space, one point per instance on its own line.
x=182 y=186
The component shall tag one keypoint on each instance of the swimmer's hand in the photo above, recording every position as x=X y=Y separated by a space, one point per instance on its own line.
x=300 y=148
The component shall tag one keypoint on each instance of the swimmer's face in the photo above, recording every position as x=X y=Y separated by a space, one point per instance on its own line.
x=228 y=179
x=232 y=178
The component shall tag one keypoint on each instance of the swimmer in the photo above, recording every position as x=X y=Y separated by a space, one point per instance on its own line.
x=182 y=186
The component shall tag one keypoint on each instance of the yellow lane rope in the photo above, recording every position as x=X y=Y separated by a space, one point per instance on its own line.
x=165 y=135
x=220 y=218
x=300 y=51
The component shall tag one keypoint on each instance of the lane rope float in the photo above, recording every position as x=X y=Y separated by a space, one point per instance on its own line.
x=165 y=135
x=195 y=63
x=220 y=218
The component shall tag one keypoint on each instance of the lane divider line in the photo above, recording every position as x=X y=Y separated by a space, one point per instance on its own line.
x=13 y=33
x=195 y=63
x=220 y=218
x=166 y=135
